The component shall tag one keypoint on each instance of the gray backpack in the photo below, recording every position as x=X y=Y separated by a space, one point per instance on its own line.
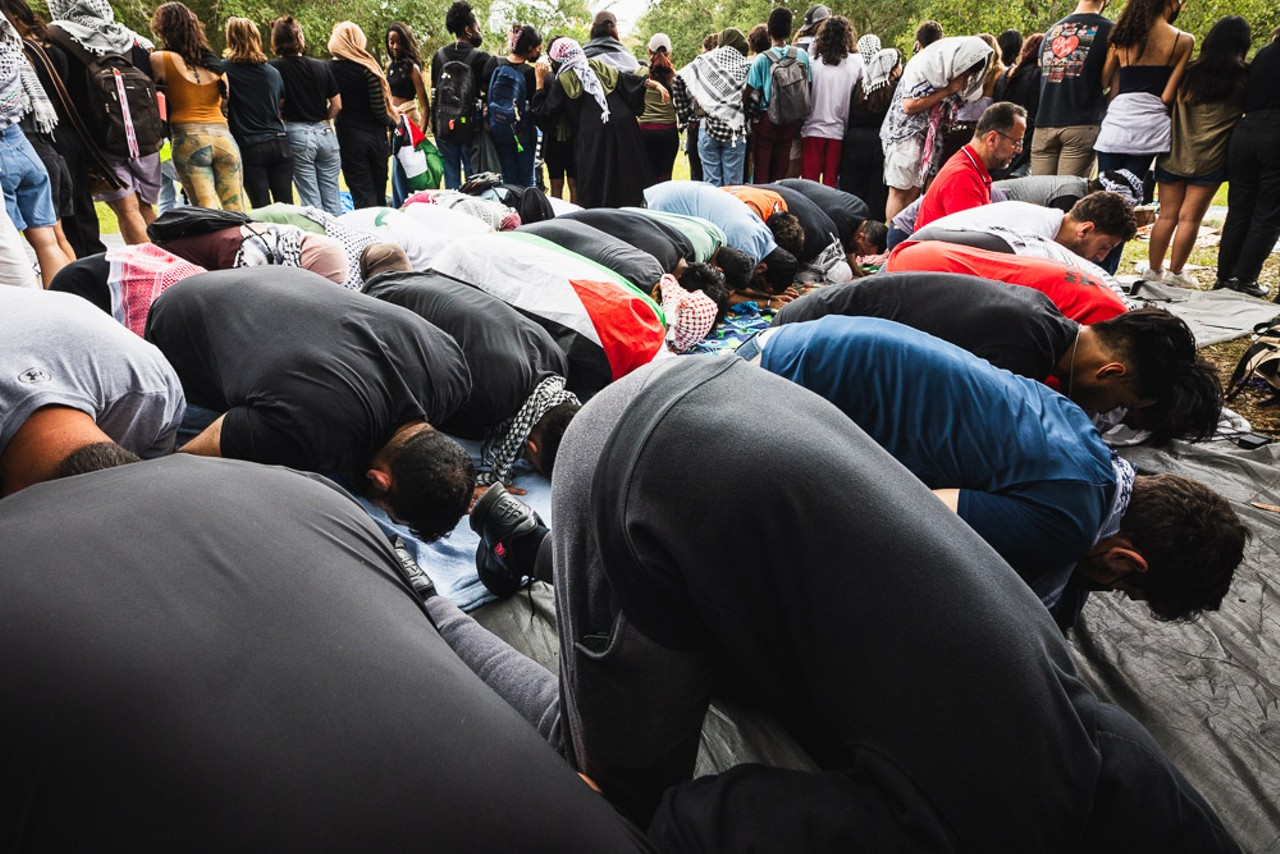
x=789 y=84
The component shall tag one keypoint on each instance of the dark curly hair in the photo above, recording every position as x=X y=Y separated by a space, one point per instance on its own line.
x=835 y=40
x=1135 y=24
x=787 y=231
x=709 y=280
x=553 y=425
x=780 y=270
x=459 y=17
x=737 y=267
x=181 y=32
x=1191 y=539
x=432 y=479
x=1109 y=212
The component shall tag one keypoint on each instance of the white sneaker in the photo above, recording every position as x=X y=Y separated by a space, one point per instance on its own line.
x=1153 y=274
x=1181 y=280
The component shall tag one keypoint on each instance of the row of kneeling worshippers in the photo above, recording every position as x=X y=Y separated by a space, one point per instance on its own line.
x=249 y=642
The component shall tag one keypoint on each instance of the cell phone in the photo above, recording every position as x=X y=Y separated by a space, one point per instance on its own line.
x=1250 y=441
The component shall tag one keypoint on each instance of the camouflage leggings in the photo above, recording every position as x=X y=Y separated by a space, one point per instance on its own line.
x=207 y=161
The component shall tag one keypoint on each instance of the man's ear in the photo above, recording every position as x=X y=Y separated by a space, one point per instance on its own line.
x=1084 y=229
x=380 y=479
x=1114 y=565
x=1112 y=371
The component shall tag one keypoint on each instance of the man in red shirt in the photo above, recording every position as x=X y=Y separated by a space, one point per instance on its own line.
x=965 y=180
x=1077 y=295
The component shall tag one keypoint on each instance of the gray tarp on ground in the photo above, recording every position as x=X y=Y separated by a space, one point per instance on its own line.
x=1209 y=691
x=1214 y=316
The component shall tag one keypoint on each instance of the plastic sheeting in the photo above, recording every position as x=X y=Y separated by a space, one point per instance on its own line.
x=1214 y=316
x=1209 y=691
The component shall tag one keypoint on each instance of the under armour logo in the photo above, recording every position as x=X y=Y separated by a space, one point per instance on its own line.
x=31 y=376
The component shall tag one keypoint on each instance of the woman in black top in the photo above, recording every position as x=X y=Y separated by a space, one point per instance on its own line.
x=311 y=100
x=1021 y=85
x=408 y=94
x=862 y=170
x=510 y=123
x=366 y=116
x=253 y=111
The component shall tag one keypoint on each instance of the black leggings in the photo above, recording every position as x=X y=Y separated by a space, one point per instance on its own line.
x=364 y=165
x=268 y=171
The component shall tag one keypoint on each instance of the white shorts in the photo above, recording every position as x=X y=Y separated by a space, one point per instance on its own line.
x=902 y=163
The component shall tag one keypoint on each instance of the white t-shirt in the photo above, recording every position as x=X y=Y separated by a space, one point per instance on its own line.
x=1021 y=217
x=59 y=349
x=420 y=230
x=829 y=96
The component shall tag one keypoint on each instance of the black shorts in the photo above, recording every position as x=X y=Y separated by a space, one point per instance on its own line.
x=559 y=157
x=59 y=174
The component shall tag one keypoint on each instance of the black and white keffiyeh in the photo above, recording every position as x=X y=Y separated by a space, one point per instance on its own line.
x=269 y=244
x=506 y=443
x=93 y=26
x=1125 y=476
x=20 y=89
x=716 y=81
x=353 y=242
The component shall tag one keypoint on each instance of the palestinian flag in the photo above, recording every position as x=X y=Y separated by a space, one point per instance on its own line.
x=606 y=326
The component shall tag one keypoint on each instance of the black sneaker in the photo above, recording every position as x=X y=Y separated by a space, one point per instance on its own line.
x=1253 y=289
x=510 y=534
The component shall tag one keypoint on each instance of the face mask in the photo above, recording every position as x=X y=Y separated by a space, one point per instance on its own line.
x=1176 y=12
x=477 y=39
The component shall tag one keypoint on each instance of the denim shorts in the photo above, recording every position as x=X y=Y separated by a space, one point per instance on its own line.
x=27 y=196
x=1217 y=176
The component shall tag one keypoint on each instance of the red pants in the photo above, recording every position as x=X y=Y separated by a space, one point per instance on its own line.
x=821 y=158
x=770 y=150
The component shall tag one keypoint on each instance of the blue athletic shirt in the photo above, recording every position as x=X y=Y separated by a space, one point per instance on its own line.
x=1034 y=475
x=743 y=229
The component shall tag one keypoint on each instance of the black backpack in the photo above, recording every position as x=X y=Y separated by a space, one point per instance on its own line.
x=190 y=220
x=124 y=115
x=457 y=101
x=530 y=202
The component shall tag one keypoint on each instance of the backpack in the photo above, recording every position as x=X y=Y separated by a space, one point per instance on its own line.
x=789 y=85
x=530 y=202
x=457 y=101
x=1261 y=360
x=508 y=99
x=124 y=115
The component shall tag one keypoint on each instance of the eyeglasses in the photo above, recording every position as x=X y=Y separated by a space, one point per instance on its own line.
x=1017 y=141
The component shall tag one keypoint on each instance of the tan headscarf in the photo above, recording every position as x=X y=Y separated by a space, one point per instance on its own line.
x=348 y=42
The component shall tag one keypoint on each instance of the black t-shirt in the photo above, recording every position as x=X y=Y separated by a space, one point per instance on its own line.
x=846 y=210
x=1071 y=61
x=308 y=85
x=631 y=263
x=223 y=656
x=660 y=240
x=310 y=375
x=356 y=85
x=820 y=231
x=1012 y=327
x=508 y=354
x=253 y=110
x=1261 y=91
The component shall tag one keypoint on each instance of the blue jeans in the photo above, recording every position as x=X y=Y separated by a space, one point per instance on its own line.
x=517 y=164
x=317 y=162
x=25 y=182
x=456 y=155
x=722 y=162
